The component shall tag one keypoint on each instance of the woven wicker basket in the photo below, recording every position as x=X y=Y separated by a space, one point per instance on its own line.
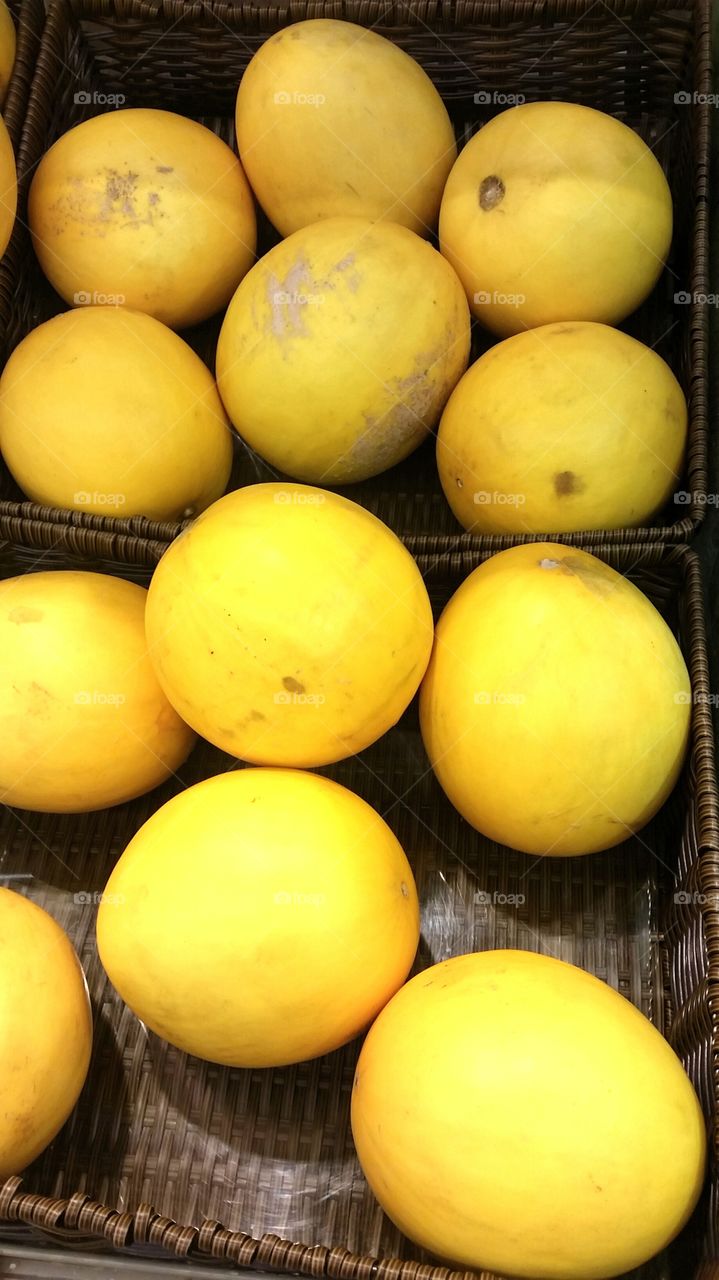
x=29 y=18
x=167 y=1155
x=631 y=58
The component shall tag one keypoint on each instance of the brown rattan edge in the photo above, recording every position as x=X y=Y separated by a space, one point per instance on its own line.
x=22 y=521
x=445 y=13
x=28 y=27
x=116 y=547
x=81 y=1220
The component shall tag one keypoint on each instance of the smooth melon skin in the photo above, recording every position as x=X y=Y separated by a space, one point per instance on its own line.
x=334 y=120
x=555 y=211
x=562 y=428
x=340 y=348
x=512 y=1112
x=45 y=1030
x=556 y=707
x=145 y=209
x=260 y=918
x=8 y=188
x=106 y=410
x=84 y=723
x=289 y=626
x=7 y=49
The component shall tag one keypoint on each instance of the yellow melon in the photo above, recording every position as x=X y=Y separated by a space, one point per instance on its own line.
x=8 y=188
x=145 y=209
x=45 y=1030
x=556 y=707
x=306 y=899
x=555 y=211
x=564 y=427
x=513 y=1113
x=105 y=409
x=288 y=625
x=334 y=120
x=340 y=347
x=7 y=49
x=83 y=722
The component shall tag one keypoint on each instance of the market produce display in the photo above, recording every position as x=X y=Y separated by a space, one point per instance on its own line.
x=305 y=898
x=45 y=1030
x=104 y=409
x=85 y=723
x=510 y=1112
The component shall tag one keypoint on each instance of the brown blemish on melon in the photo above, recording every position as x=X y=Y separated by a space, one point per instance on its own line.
x=164 y=168
x=491 y=193
x=566 y=482
x=292 y=685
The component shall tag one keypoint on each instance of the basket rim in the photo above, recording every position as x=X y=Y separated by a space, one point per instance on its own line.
x=79 y=1220
x=26 y=523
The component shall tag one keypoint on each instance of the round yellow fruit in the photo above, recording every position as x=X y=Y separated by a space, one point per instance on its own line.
x=8 y=188
x=334 y=120
x=340 y=348
x=145 y=209
x=555 y=211
x=45 y=1030
x=512 y=1112
x=565 y=427
x=556 y=708
x=7 y=49
x=84 y=721
x=289 y=626
x=106 y=410
x=303 y=922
